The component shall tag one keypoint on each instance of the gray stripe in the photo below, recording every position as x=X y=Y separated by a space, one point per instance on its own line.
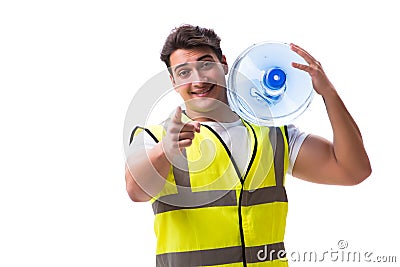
x=218 y=256
x=278 y=147
x=200 y=258
x=181 y=173
x=186 y=199
x=264 y=195
x=266 y=253
x=189 y=200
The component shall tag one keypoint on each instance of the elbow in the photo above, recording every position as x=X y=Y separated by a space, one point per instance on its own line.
x=135 y=192
x=361 y=175
x=136 y=196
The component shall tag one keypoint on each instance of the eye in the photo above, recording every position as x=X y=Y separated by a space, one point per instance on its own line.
x=206 y=65
x=183 y=74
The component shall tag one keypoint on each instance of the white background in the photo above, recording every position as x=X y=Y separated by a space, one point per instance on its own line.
x=69 y=69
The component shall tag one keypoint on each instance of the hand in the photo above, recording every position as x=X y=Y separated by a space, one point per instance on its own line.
x=179 y=135
x=320 y=81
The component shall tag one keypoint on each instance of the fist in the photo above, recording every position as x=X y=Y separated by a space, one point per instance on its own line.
x=179 y=135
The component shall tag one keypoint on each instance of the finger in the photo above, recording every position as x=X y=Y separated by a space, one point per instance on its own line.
x=188 y=127
x=303 y=53
x=177 y=118
x=191 y=126
x=196 y=125
x=184 y=143
x=305 y=68
x=186 y=135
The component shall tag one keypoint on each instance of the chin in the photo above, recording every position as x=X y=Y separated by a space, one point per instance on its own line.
x=203 y=105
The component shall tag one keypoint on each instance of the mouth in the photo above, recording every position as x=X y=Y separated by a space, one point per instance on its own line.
x=203 y=92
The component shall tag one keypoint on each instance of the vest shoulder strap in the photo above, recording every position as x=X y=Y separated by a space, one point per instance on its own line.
x=156 y=132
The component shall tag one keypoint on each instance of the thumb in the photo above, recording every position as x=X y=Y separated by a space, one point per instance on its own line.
x=178 y=115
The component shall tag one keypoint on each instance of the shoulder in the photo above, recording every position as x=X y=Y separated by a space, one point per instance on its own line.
x=295 y=135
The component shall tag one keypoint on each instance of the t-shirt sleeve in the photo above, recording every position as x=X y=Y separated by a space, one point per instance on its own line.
x=141 y=141
x=148 y=141
x=296 y=139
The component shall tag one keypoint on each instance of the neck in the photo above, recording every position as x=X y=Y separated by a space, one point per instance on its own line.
x=222 y=113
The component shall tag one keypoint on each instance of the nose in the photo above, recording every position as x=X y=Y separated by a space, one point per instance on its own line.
x=199 y=77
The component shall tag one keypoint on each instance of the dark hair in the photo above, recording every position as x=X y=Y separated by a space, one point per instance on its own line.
x=187 y=37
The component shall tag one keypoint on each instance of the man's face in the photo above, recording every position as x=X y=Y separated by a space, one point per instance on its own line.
x=199 y=77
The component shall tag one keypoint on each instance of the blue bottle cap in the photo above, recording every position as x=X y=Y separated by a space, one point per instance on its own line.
x=274 y=78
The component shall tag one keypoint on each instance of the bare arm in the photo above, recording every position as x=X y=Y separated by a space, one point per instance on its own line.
x=145 y=173
x=343 y=161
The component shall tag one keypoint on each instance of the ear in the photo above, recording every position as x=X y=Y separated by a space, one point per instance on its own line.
x=224 y=64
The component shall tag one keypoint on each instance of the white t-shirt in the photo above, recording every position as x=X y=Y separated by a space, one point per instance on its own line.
x=237 y=139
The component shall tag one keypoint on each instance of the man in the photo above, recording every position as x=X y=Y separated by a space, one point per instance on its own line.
x=216 y=181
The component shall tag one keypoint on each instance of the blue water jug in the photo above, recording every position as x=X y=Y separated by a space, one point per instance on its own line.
x=265 y=89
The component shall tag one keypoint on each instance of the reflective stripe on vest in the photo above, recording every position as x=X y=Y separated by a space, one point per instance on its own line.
x=212 y=216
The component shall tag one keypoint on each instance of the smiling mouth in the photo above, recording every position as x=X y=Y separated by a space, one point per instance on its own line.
x=203 y=92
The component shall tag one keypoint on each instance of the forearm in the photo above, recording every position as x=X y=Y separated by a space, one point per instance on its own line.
x=145 y=173
x=348 y=144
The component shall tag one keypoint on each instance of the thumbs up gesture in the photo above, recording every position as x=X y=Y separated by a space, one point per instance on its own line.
x=179 y=135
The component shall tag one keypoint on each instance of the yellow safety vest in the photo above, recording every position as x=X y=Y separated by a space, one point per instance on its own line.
x=210 y=215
